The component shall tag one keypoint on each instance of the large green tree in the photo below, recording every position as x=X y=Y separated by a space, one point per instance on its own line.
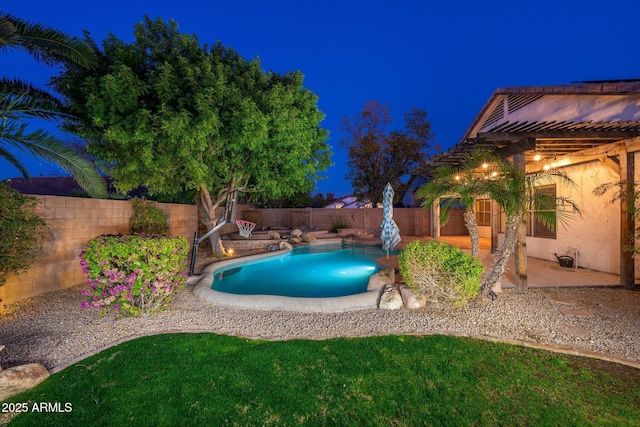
x=21 y=102
x=377 y=155
x=175 y=116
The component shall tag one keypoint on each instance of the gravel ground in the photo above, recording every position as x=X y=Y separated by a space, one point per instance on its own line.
x=53 y=330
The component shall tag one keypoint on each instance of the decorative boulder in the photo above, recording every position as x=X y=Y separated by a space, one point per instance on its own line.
x=294 y=240
x=388 y=275
x=274 y=235
x=410 y=299
x=296 y=232
x=273 y=248
x=309 y=238
x=285 y=246
x=390 y=299
x=376 y=282
x=348 y=241
x=381 y=279
x=21 y=378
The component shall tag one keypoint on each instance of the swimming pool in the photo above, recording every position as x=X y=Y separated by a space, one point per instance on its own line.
x=319 y=271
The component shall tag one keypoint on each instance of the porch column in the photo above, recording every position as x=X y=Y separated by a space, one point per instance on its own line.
x=520 y=251
x=495 y=225
x=627 y=220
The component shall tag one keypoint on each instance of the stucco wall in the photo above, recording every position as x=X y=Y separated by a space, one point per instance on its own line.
x=72 y=222
x=596 y=234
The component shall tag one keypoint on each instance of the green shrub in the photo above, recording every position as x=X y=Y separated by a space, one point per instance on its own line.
x=338 y=223
x=133 y=274
x=440 y=271
x=21 y=232
x=147 y=218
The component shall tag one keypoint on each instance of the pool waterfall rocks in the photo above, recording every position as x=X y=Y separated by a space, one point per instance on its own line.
x=380 y=284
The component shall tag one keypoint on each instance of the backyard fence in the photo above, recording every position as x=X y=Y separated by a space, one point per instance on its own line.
x=73 y=221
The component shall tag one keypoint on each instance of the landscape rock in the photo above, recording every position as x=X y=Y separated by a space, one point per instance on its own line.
x=410 y=299
x=296 y=232
x=21 y=378
x=285 y=246
x=274 y=235
x=273 y=248
x=388 y=275
x=390 y=299
x=308 y=238
x=380 y=279
x=376 y=282
x=294 y=240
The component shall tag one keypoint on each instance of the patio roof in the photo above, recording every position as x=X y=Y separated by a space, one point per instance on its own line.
x=550 y=121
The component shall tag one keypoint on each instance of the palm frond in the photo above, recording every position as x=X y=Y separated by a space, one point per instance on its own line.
x=43 y=43
x=20 y=101
x=6 y=154
x=53 y=150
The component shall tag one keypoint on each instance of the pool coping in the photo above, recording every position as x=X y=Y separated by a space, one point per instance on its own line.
x=202 y=290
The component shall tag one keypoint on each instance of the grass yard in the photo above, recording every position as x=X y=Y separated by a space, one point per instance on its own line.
x=208 y=379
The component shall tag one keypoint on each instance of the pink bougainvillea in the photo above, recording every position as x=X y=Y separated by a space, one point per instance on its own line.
x=133 y=274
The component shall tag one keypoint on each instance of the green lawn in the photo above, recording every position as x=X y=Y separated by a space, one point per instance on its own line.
x=207 y=379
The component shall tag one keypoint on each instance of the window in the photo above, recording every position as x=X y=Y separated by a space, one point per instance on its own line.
x=483 y=212
x=535 y=227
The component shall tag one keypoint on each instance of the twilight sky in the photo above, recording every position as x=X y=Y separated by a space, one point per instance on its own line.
x=446 y=57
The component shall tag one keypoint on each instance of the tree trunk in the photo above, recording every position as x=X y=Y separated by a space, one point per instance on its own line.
x=472 y=226
x=521 y=256
x=500 y=262
x=207 y=211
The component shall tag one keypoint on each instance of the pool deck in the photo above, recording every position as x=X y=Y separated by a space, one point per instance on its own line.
x=540 y=273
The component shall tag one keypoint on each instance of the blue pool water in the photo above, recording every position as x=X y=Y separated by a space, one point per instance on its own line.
x=310 y=271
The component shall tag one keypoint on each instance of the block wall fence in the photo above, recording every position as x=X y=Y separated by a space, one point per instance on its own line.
x=73 y=221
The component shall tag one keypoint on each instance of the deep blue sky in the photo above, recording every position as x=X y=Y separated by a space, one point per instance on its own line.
x=446 y=57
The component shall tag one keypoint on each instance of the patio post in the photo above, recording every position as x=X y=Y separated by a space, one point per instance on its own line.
x=627 y=221
x=521 y=245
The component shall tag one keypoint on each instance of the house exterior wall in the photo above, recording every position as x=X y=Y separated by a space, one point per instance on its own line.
x=595 y=235
x=72 y=223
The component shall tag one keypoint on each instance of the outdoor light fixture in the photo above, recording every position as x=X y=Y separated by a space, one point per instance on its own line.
x=230 y=251
x=537 y=157
x=457 y=177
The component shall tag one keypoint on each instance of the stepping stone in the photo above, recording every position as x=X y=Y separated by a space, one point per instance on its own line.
x=574 y=330
x=577 y=313
x=560 y=300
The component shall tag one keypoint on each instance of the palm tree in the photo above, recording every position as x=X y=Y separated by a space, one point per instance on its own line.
x=516 y=194
x=20 y=101
x=471 y=181
x=484 y=174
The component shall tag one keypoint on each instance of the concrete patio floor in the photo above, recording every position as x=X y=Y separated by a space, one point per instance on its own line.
x=540 y=273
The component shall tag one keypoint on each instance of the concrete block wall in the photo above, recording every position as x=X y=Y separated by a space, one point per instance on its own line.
x=72 y=223
x=411 y=221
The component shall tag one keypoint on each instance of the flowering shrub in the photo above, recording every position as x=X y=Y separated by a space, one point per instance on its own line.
x=133 y=274
x=441 y=271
